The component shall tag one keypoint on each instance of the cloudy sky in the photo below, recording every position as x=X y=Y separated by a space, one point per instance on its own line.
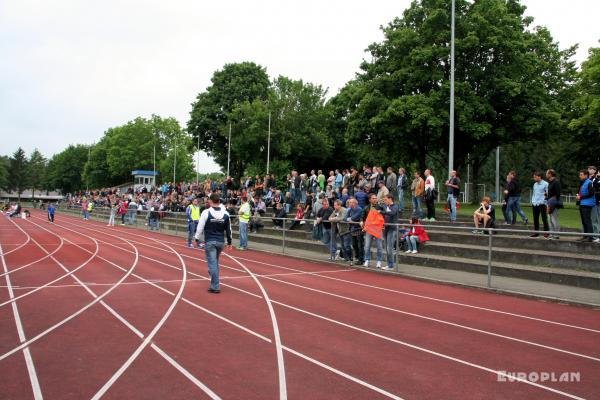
x=70 y=68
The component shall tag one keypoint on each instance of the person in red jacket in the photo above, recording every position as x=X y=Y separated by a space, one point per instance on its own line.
x=415 y=235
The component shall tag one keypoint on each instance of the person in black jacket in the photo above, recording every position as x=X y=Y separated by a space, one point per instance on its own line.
x=595 y=178
x=513 y=206
x=554 y=203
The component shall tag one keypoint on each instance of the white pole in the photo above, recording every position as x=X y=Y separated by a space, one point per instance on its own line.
x=175 y=162
x=197 y=160
x=269 y=144
x=87 y=181
x=451 y=138
x=154 y=164
x=468 y=175
x=498 y=174
x=229 y=149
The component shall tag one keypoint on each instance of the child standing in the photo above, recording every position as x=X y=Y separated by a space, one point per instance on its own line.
x=51 y=210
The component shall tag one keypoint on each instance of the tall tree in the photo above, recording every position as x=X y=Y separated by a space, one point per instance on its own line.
x=4 y=168
x=65 y=169
x=509 y=77
x=586 y=108
x=36 y=171
x=234 y=84
x=17 y=179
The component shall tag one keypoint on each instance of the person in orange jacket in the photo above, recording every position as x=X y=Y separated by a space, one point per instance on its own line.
x=372 y=224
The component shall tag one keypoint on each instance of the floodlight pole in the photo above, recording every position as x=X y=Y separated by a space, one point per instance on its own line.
x=229 y=149
x=175 y=161
x=498 y=173
x=451 y=133
x=197 y=160
x=269 y=144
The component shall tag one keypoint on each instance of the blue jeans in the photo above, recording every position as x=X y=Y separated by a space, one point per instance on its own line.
x=326 y=239
x=303 y=196
x=390 y=243
x=400 y=199
x=296 y=195
x=378 y=244
x=452 y=204
x=413 y=242
x=86 y=214
x=513 y=208
x=347 y=247
x=213 y=251
x=243 y=235
x=192 y=226
x=153 y=223
x=132 y=216
x=417 y=210
x=596 y=219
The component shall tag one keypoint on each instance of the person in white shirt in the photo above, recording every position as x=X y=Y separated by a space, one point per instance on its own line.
x=430 y=195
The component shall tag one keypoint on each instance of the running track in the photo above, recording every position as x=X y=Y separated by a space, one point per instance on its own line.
x=88 y=311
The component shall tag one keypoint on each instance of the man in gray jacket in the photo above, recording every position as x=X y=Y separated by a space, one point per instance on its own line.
x=342 y=231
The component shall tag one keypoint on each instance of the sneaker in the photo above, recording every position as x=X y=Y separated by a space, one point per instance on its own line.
x=546 y=235
x=414 y=252
x=214 y=291
x=366 y=264
x=350 y=263
x=526 y=222
x=407 y=251
x=432 y=219
x=358 y=262
x=597 y=240
x=378 y=265
x=388 y=268
x=190 y=245
x=337 y=254
x=201 y=245
x=240 y=248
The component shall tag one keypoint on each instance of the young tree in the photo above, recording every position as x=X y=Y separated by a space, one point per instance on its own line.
x=17 y=178
x=65 y=169
x=36 y=171
x=4 y=167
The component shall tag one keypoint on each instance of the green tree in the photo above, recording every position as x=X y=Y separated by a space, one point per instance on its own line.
x=36 y=171
x=64 y=171
x=509 y=79
x=183 y=160
x=586 y=108
x=4 y=168
x=234 y=84
x=17 y=178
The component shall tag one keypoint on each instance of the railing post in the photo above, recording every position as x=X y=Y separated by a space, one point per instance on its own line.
x=396 y=258
x=176 y=223
x=489 y=266
x=283 y=238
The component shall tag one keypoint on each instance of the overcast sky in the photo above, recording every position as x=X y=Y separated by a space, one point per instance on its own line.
x=71 y=69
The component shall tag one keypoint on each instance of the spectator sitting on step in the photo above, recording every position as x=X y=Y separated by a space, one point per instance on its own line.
x=280 y=213
x=485 y=215
x=415 y=235
x=299 y=216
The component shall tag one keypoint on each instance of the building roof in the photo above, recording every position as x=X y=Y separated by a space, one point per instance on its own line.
x=143 y=172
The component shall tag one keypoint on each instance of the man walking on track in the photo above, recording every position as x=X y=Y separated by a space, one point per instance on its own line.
x=193 y=216
x=215 y=224
x=51 y=210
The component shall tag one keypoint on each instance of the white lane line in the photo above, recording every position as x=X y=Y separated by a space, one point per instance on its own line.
x=456 y=360
x=35 y=384
x=280 y=362
x=434 y=353
x=424 y=317
x=137 y=332
x=13 y=270
x=540 y=345
x=150 y=336
x=21 y=245
x=72 y=316
x=258 y=335
x=125 y=284
x=68 y=273
x=435 y=299
x=492 y=310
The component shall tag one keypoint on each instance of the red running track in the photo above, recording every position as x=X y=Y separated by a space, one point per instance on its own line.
x=89 y=311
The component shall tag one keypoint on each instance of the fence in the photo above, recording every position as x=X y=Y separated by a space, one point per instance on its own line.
x=176 y=223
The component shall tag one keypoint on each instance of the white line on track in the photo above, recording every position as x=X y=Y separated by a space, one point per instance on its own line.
x=35 y=384
x=278 y=349
x=150 y=336
x=13 y=270
x=125 y=284
x=67 y=273
x=422 y=316
x=492 y=310
x=436 y=353
x=19 y=246
x=258 y=335
x=435 y=299
x=75 y=314
x=169 y=359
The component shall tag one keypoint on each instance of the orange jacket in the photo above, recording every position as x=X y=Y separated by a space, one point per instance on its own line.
x=374 y=224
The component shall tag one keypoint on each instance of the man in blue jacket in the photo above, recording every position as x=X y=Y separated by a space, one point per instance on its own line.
x=216 y=225
x=587 y=201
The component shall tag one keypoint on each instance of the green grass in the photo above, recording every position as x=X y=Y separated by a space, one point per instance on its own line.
x=568 y=216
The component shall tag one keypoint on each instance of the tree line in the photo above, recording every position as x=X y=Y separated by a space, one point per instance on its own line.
x=514 y=86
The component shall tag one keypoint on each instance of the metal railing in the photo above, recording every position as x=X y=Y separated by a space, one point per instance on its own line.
x=176 y=222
